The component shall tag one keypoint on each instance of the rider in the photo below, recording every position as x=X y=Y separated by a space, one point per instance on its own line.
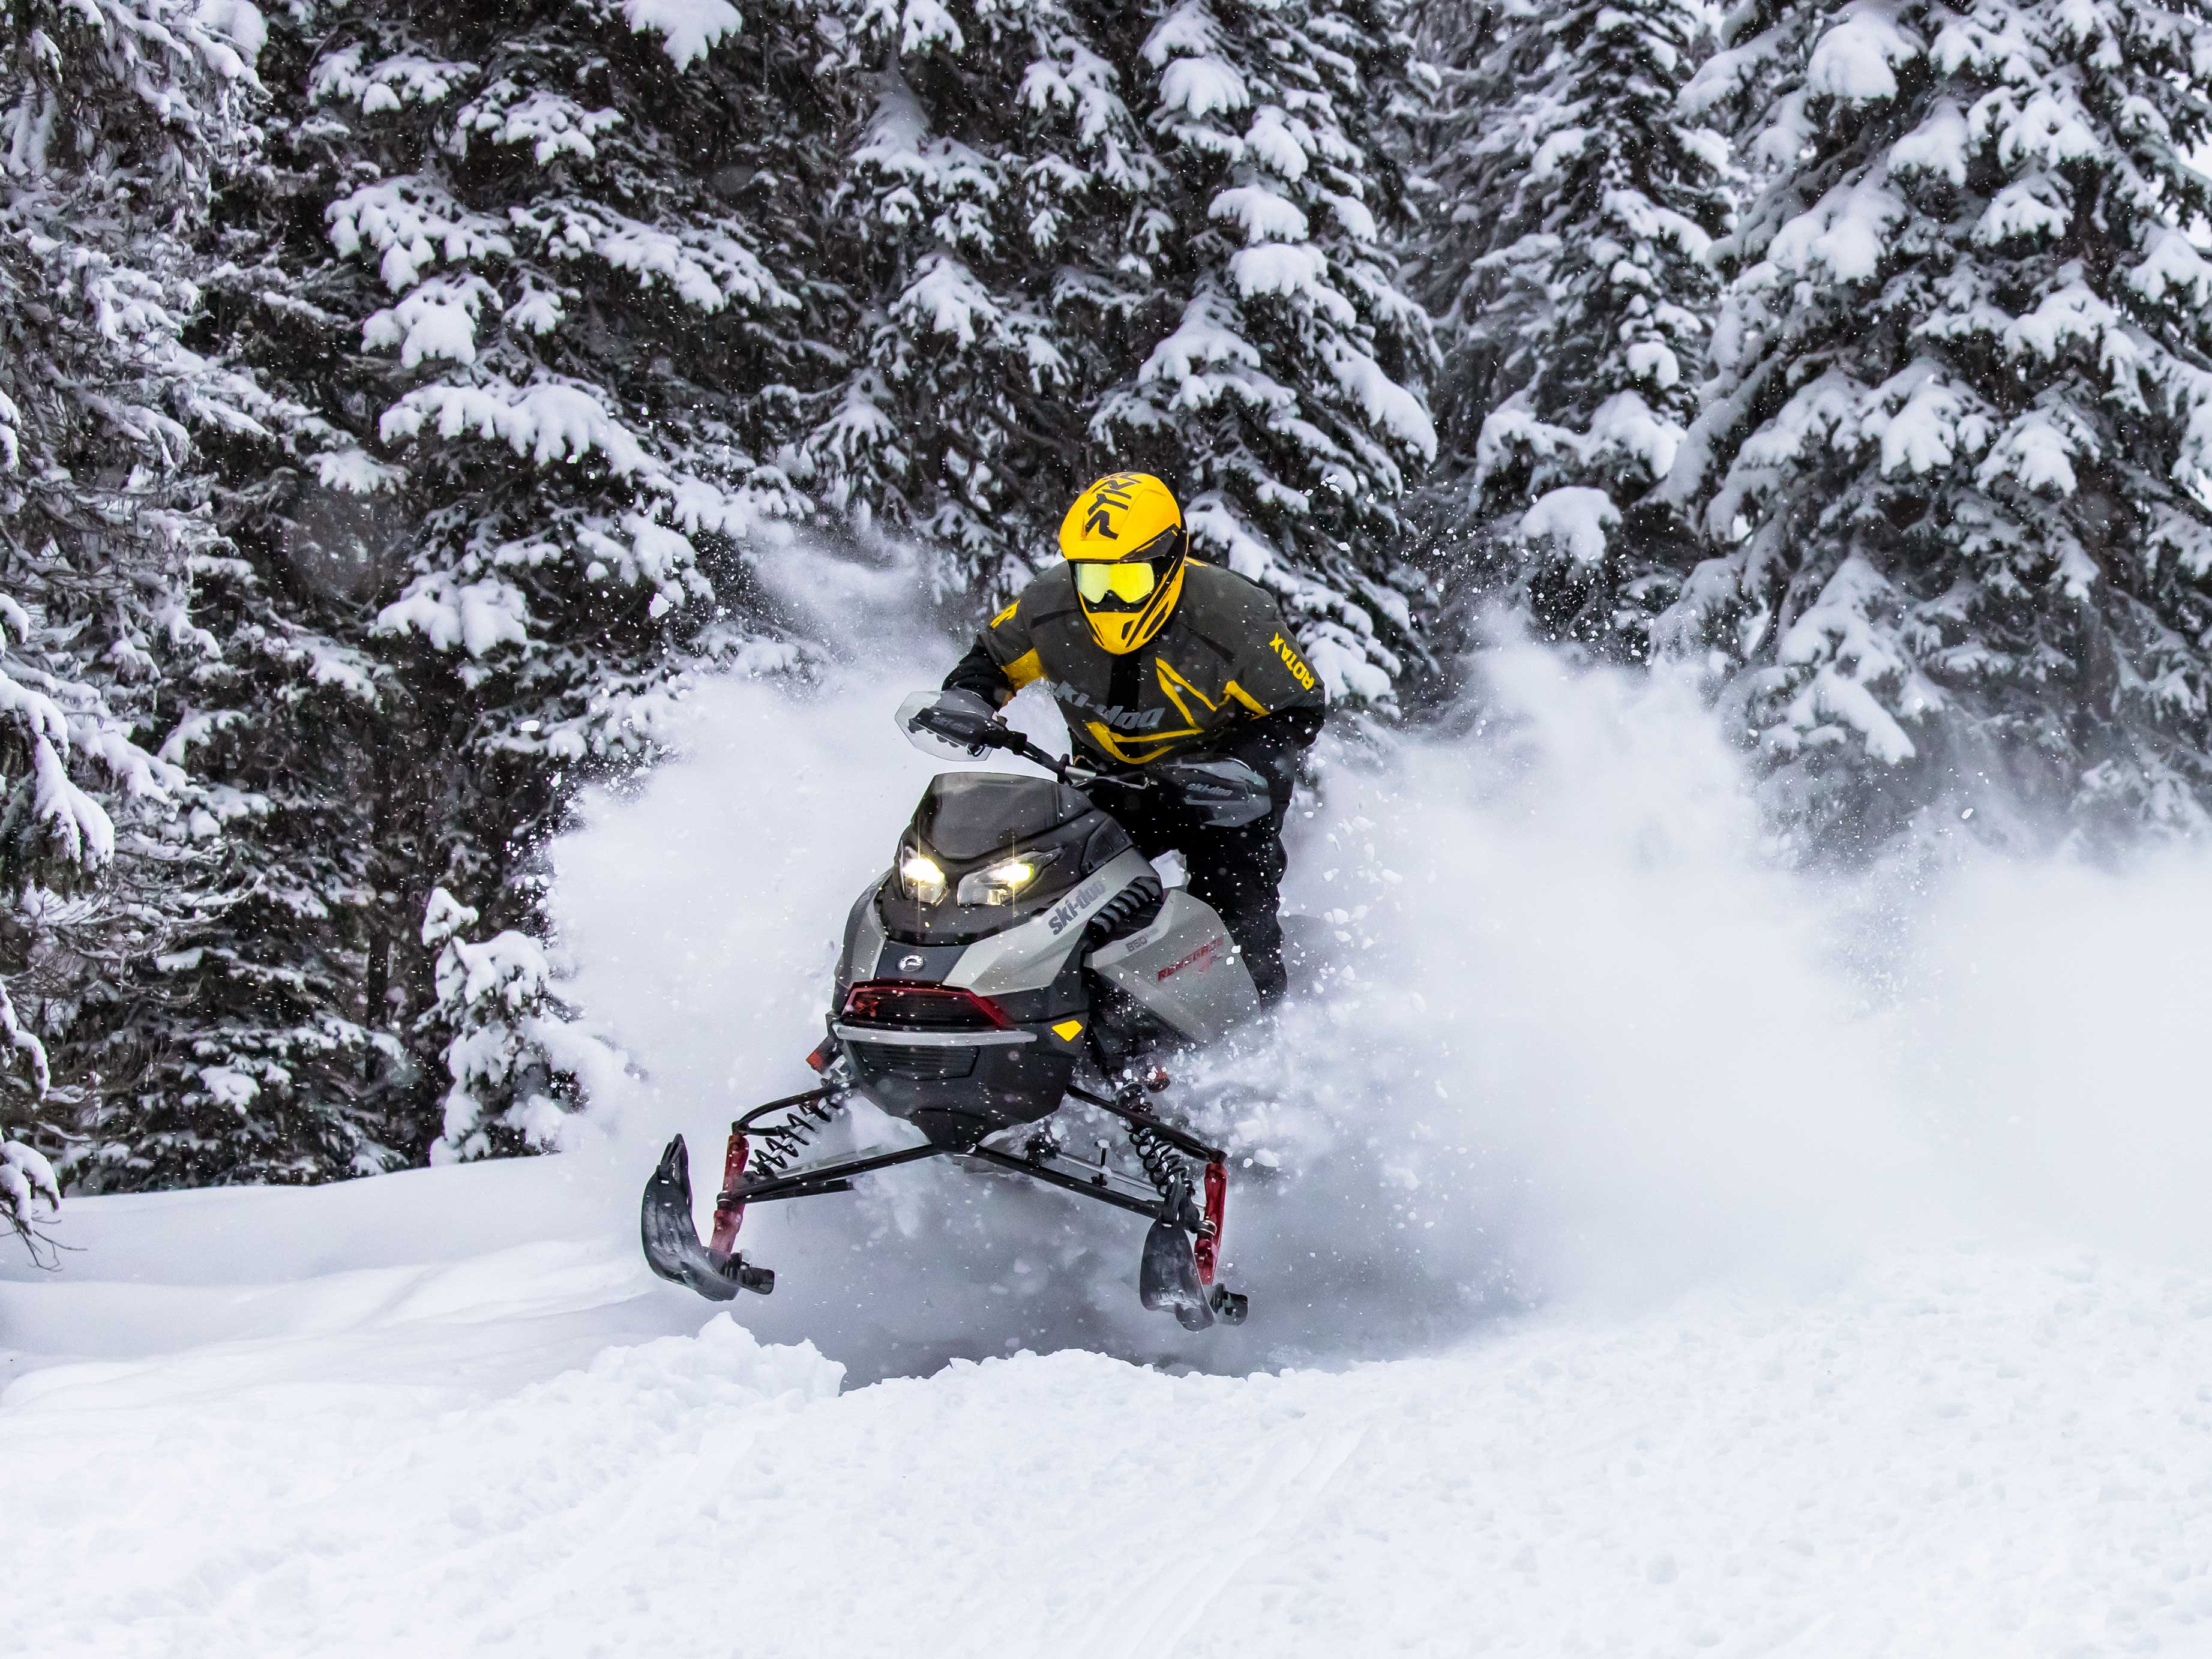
x=1152 y=654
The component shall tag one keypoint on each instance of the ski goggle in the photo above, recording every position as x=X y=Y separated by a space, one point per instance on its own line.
x=1127 y=582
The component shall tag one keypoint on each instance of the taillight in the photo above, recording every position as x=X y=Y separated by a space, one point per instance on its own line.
x=923 y=1007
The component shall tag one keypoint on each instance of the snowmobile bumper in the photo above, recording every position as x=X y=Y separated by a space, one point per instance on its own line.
x=672 y=1246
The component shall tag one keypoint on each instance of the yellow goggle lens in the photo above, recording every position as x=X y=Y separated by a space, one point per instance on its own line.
x=1126 y=582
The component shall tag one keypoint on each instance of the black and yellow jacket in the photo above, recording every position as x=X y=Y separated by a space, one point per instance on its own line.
x=1223 y=676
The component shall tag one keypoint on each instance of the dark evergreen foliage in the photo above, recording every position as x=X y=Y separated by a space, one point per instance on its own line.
x=1565 y=258
x=1100 y=235
x=536 y=292
x=113 y=117
x=1955 y=458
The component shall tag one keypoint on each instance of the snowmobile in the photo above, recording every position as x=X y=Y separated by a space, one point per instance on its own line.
x=1020 y=953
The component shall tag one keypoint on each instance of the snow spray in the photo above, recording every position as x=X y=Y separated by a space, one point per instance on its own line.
x=1566 y=1031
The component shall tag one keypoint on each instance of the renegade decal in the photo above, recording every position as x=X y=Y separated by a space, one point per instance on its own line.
x=1068 y=1030
x=1202 y=958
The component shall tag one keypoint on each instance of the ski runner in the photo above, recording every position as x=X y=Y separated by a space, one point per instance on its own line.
x=1151 y=653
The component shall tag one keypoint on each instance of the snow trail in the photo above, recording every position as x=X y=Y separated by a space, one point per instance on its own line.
x=1971 y=1452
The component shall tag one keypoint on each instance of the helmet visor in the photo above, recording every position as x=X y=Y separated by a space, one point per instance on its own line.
x=1129 y=583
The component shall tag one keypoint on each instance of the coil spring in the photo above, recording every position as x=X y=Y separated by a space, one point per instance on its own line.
x=775 y=1146
x=1162 y=1167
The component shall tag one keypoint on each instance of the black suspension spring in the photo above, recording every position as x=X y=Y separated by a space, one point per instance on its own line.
x=1162 y=1167
x=775 y=1147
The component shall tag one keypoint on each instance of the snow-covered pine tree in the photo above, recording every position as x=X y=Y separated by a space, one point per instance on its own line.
x=1279 y=363
x=518 y=1059
x=982 y=202
x=259 y=1045
x=545 y=280
x=1098 y=235
x=112 y=114
x=1565 y=258
x=1958 y=453
x=595 y=312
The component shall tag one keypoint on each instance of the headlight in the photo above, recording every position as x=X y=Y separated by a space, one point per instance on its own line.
x=999 y=885
x=921 y=878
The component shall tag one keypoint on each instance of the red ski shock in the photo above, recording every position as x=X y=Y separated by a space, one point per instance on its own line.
x=1207 y=1246
x=729 y=1217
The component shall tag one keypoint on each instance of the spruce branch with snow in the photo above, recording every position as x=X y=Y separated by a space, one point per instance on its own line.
x=983 y=190
x=27 y=1180
x=518 y=1060
x=1565 y=258
x=1283 y=364
x=1954 y=457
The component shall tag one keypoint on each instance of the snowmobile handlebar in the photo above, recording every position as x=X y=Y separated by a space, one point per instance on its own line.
x=955 y=724
x=960 y=725
x=1072 y=773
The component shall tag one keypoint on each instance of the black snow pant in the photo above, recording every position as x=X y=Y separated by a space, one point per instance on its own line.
x=1238 y=871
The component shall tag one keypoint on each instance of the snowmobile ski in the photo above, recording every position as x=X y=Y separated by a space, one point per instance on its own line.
x=673 y=1248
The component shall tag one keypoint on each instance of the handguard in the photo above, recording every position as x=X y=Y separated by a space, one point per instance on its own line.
x=952 y=724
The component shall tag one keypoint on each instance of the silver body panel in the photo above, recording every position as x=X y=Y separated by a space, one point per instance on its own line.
x=1029 y=956
x=1183 y=970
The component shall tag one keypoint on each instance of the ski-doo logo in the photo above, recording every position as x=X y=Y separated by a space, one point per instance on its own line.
x=1075 y=904
x=1300 y=672
x=1202 y=958
x=1122 y=719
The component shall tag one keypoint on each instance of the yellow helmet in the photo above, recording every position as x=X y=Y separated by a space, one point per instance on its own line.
x=1125 y=537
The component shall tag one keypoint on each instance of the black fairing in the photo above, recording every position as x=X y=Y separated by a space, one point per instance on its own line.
x=980 y=1092
x=958 y=1095
x=967 y=821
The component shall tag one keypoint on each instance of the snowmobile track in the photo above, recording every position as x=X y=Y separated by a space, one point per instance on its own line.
x=1281 y=1487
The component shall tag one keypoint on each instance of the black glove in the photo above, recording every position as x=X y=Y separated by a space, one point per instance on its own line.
x=1216 y=793
x=1271 y=747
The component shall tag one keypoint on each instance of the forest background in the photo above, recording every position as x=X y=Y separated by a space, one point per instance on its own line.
x=396 y=402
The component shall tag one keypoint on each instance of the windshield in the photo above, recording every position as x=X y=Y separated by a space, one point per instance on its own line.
x=965 y=815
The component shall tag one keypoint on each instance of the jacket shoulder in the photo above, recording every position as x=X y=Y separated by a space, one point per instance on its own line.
x=1229 y=608
x=1050 y=593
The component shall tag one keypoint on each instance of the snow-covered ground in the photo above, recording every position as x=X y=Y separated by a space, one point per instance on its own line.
x=535 y=1449
x=1651 y=1253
